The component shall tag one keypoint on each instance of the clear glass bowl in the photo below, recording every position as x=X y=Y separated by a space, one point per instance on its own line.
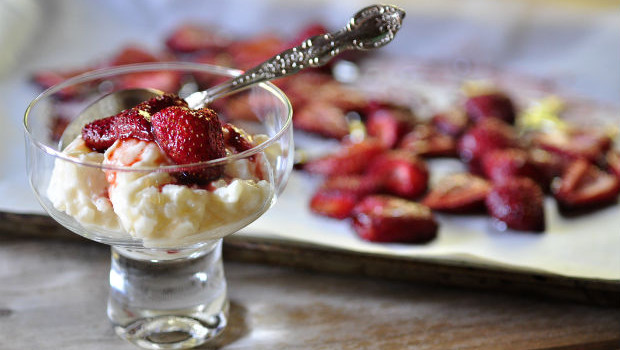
x=167 y=284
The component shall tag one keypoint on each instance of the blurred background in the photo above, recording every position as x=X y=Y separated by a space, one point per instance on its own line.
x=573 y=45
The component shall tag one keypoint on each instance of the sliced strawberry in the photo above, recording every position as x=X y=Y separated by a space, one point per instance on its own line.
x=167 y=81
x=389 y=124
x=487 y=135
x=379 y=218
x=425 y=141
x=517 y=204
x=460 y=193
x=58 y=125
x=337 y=196
x=575 y=143
x=453 y=122
x=308 y=31
x=400 y=173
x=549 y=165
x=131 y=55
x=236 y=138
x=490 y=105
x=323 y=119
x=253 y=51
x=48 y=78
x=584 y=187
x=191 y=37
x=613 y=162
x=190 y=136
x=352 y=158
x=504 y=164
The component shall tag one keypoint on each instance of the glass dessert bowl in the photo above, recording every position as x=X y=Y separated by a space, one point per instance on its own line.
x=164 y=218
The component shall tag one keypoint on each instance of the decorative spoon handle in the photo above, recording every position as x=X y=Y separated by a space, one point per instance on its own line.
x=371 y=27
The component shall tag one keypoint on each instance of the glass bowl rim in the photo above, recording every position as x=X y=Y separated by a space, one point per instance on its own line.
x=159 y=66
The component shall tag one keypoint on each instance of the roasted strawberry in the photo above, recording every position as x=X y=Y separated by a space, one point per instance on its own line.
x=487 y=135
x=167 y=81
x=337 y=196
x=400 y=173
x=389 y=124
x=613 y=162
x=190 y=136
x=131 y=55
x=549 y=165
x=310 y=30
x=460 y=193
x=236 y=138
x=490 y=105
x=517 y=204
x=379 y=218
x=323 y=119
x=156 y=104
x=575 y=143
x=425 y=141
x=191 y=37
x=504 y=164
x=352 y=158
x=101 y=134
x=584 y=187
x=48 y=78
x=253 y=51
x=452 y=122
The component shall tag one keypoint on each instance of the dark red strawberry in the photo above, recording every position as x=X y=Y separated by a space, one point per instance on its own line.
x=575 y=143
x=490 y=105
x=351 y=158
x=323 y=119
x=48 y=78
x=156 y=104
x=487 y=135
x=190 y=136
x=453 y=122
x=337 y=196
x=584 y=187
x=549 y=165
x=191 y=37
x=460 y=193
x=379 y=218
x=389 y=124
x=236 y=138
x=517 y=204
x=504 y=164
x=167 y=81
x=425 y=141
x=613 y=162
x=310 y=30
x=132 y=54
x=400 y=173
x=253 y=51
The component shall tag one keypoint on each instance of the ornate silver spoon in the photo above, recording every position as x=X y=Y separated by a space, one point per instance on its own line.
x=371 y=27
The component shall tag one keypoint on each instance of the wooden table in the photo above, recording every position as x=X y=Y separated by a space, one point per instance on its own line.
x=53 y=296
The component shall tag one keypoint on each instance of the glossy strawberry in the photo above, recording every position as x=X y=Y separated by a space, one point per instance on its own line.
x=101 y=134
x=490 y=105
x=487 y=135
x=323 y=119
x=337 y=196
x=379 y=218
x=504 y=164
x=425 y=141
x=517 y=204
x=459 y=193
x=400 y=173
x=453 y=122
x=389 y=124
x=549 y=165
x=575 y=143
x=190 y=136
x=191 y=37
x=351 y=158
x=584 y=187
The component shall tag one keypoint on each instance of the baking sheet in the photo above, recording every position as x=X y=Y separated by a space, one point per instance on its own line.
x=565 y=47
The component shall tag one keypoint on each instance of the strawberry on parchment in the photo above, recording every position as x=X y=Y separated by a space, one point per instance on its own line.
x=190 y=136
x=400 y=173
x=323 y=119
x=584 y=187
x=351 y=158
x=337 y=196
x=612 y=160
x=490 y=105
x=460 y=193
x=574 y=143
x=425 y=141
x=504 y=164
x=389 y=124
x=192 y=37
x=381 y=218
x=487 y=135
x=517 y=204
x=452 y=122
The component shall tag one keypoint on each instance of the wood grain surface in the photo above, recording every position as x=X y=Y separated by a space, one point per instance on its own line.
x=53 y=295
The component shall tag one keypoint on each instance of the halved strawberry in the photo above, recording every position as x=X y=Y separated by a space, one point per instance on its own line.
x=253 y=51
x=613 y=162
x=191 y=37
x=379 y=218
x=487 y=135
x=458 y=193
x=575 y=143
x=132 y=54
x=236 y=138
x=337 y=196
x=389 y=124
x=452 y=122
x=490 y=105
x=504 y=164
x=517 y=204
x=351 y=158
x=323 y=119
x=549 y=165
x=584 y=187
x=425 y=141
x=190 y=136
x=400 y=173
x=48 y=78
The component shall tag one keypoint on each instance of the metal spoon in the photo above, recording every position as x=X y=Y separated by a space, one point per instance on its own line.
x=371 y=27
